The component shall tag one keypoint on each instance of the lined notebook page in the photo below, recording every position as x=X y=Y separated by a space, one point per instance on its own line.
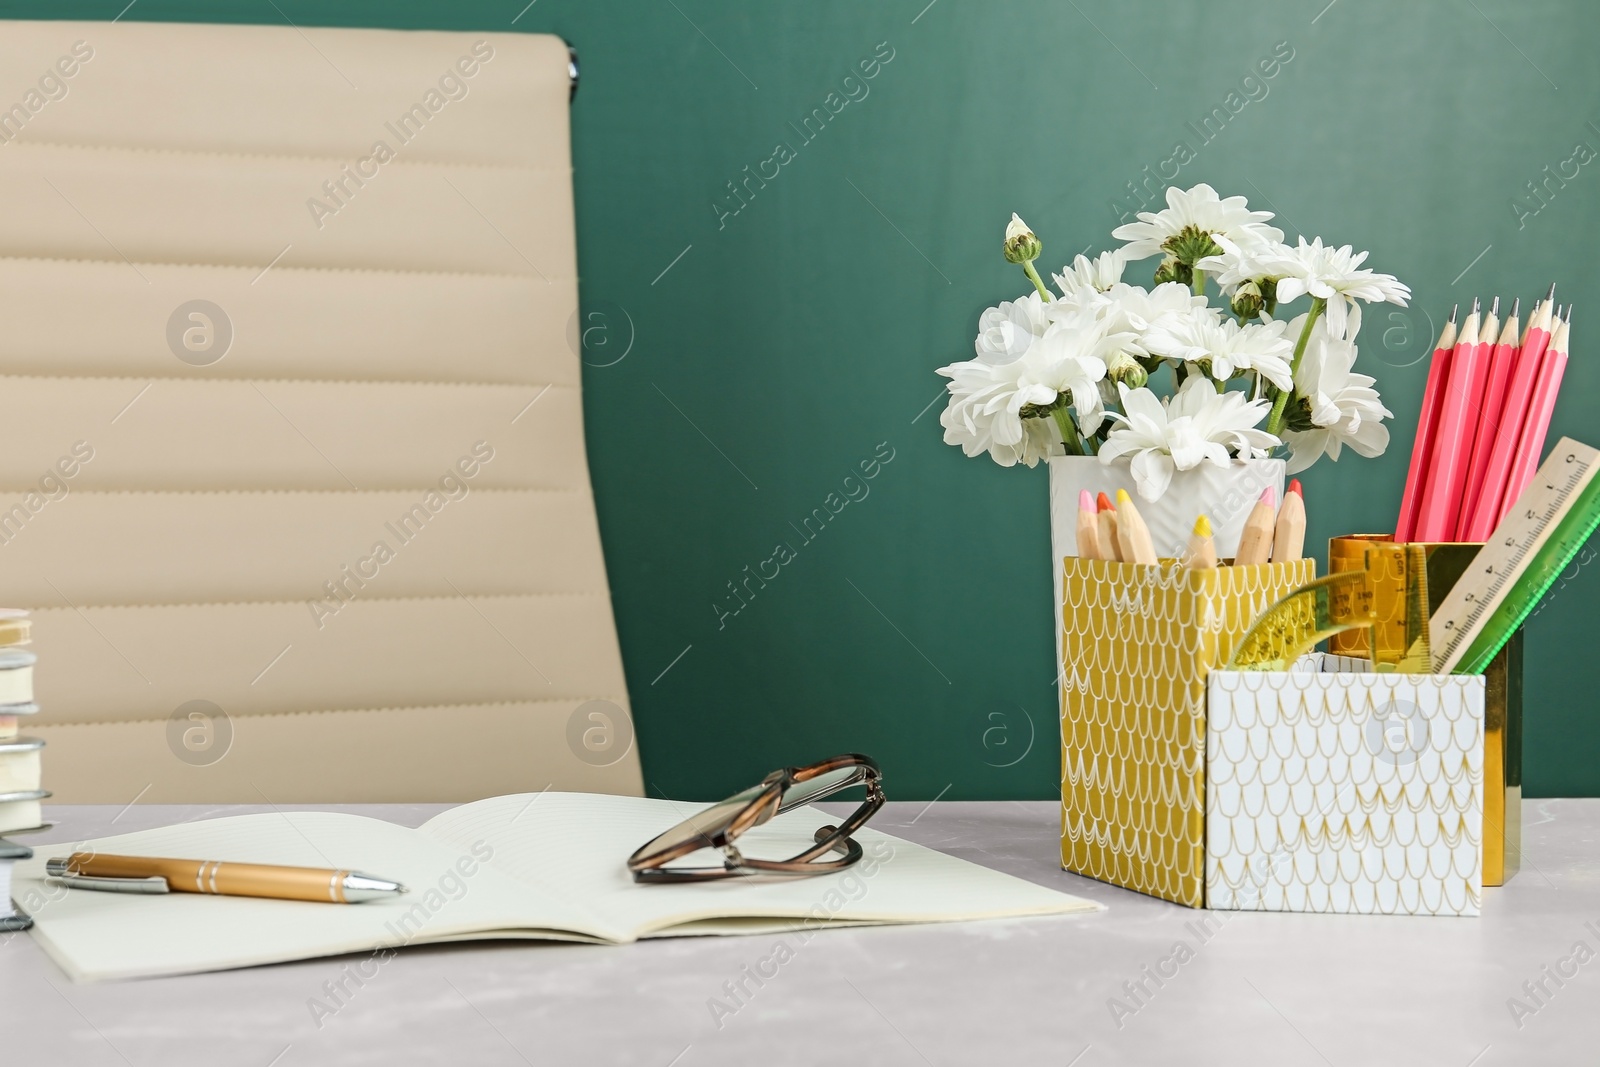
x=581 y=841
x=95 y=935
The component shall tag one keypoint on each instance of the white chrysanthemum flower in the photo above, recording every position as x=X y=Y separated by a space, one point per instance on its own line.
x=983 y=415
x=1100 y=273
x=1330 y=274
x=1201 y=209
x=1196 y=425
x=1083 y=303
x=1127 y=309
x=1134 y=308
x=1007 y=332
x=987 y=396
x=1071 y=360
x=1344 y=408
x=1236 y=264
x=1261 y=347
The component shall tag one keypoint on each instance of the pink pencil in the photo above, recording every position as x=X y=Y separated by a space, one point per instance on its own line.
x=1501 y=357
x=1477 y=388
x=1540 y=408
x=1427 y=423
x=1513 y=413
x=1452 y=442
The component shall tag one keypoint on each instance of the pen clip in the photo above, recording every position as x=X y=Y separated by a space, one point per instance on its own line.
x=57 y=870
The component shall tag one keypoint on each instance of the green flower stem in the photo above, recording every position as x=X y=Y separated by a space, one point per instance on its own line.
x=1069 y=432
x=1033 y=276
x=1199 y=282
x=1275 y=419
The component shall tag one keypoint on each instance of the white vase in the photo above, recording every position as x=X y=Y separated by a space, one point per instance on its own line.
x=1224 y=494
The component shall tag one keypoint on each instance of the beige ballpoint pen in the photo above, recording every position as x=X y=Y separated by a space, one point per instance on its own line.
x=148 y=874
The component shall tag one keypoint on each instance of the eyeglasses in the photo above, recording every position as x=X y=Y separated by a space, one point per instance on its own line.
x=719 y=825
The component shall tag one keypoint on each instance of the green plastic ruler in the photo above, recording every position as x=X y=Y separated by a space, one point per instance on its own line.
x=1524 y=556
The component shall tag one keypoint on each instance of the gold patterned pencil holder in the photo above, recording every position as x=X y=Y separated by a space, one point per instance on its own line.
x=1137 y=644
x=1502 y=722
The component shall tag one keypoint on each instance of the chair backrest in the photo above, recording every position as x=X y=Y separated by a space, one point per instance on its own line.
x=292 y=466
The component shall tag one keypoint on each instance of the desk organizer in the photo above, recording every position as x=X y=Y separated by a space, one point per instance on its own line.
x=1331 y=788
x=1502 y=708
x=1324 y=788
x=1136 y=644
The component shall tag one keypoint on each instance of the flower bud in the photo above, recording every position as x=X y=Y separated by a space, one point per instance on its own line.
x=1269 y=295
x=1247 y=300
x=1021 y=245
x=1171 y=270
x=1123 y=368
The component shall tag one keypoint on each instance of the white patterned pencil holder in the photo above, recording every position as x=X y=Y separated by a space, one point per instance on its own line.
x=1333 y=789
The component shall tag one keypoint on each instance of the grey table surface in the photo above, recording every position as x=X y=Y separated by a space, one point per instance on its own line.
x=1255 y=988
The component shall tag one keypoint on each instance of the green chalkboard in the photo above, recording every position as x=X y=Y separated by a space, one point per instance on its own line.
x=790 y=214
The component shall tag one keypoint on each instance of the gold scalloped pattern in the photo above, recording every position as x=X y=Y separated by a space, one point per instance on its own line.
x=1137 y=644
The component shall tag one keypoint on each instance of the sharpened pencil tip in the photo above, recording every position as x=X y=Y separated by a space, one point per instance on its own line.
x=1295 y=488
x=1202 y=526
x=1269 y=496
x=1516 y=307
x=1551 y=295
x=1085 y=501
x=1105 y=503
x=1474 y=305
x=1453 y=312
x=1494 y=308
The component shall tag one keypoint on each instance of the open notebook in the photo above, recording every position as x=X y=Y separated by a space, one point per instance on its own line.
x=535 y=865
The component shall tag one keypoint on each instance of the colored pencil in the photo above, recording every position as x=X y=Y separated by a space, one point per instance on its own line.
x=1501 y=360
x=1513 y=413
x=1422 y=444
x=1541 y=406
x=1452 y=447
x=1202 y=551
x=1255 y=540
x=1088 y=527
x=1133 y=536
x=1289 y=535
x=1106 y=530
x=1477 y=390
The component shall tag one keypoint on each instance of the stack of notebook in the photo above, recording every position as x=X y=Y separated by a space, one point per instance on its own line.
x=20 y=770
x=19 y=756
x=10 y=917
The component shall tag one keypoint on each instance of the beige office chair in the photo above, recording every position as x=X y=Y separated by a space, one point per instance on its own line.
x=292 y=466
